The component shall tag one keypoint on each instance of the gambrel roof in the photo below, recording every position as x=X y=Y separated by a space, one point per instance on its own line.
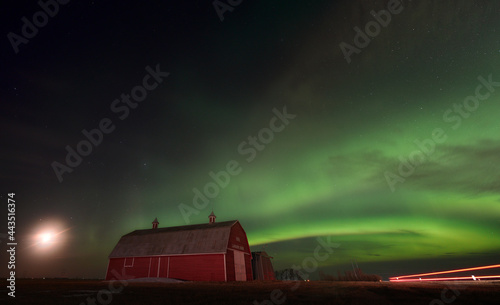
x=190 y=239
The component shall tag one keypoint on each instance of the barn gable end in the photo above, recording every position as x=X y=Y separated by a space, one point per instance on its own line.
x=238 y=244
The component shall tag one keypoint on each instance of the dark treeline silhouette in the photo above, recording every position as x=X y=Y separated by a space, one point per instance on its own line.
x=357 y=274
x=350 y=275
x=289 y=275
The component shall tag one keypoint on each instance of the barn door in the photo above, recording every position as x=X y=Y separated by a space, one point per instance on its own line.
x=239 y=266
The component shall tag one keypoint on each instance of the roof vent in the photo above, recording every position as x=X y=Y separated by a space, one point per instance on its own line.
x=211 y=217
x=155 y=223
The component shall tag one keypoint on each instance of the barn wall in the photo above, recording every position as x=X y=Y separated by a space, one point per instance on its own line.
x=153 y=270
x=231 y=276
x=262 y=267
x=164 y=266
x=115 y=266
x=268 y=269
x=230 y=266
x=139 y=268
x=207 y=267
x=248 y=265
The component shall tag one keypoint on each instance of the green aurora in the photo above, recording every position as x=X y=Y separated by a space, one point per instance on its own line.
x=325 y=174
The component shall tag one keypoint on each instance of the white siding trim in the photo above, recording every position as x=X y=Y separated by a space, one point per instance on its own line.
x=149 y=270
x=246 y=253
x=180 y=254
x=225 y=272
x=107 y=269
x=125 y=262
x=168 y=267
x=159 y=262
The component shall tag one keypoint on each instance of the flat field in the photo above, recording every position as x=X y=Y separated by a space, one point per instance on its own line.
x=81 y=292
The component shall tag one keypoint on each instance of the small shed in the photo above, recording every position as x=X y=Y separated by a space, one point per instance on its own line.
x=214 y=251
x=262 y=266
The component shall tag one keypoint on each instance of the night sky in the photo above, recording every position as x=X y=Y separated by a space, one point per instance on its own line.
x=390 y=149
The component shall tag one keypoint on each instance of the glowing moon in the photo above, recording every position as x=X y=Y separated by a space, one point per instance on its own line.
x=46 y=238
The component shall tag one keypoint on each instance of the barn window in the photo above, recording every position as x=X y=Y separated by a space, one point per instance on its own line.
x=237 y=239
x=129 y=262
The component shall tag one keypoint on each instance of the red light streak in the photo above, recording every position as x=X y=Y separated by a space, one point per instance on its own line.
x=398 y=278
x=447 y=278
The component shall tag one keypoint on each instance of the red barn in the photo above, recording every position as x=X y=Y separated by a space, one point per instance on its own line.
x=216 y=251
x=262 y=266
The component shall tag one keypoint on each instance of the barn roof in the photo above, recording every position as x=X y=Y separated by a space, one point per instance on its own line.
x=191 y=239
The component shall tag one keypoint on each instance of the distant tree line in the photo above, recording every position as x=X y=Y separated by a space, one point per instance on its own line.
x=348 y=276
x=351 y=275
x=288 y=275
